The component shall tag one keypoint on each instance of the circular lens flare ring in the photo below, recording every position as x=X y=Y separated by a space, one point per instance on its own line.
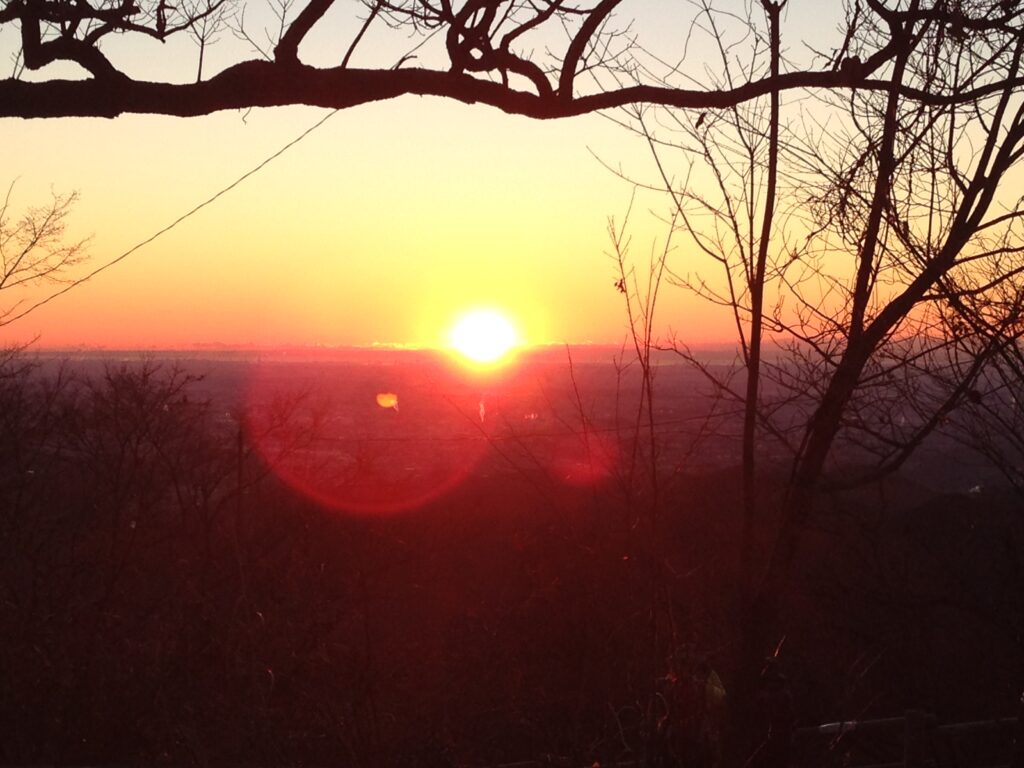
x=350 y=449
x=483 y=336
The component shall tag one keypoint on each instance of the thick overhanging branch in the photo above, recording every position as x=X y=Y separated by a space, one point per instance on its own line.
x=271 y=84
x=479 y=73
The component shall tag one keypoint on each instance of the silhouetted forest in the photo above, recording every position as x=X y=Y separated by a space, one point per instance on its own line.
x=167 y=599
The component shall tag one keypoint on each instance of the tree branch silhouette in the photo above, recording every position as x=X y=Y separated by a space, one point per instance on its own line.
x=482 y=65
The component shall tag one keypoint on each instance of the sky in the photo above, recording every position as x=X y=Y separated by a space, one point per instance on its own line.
x=381 y=226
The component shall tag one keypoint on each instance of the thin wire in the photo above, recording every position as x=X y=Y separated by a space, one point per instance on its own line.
x=103 y=267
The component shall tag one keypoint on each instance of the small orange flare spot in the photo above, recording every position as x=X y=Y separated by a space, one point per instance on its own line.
x=388 y=400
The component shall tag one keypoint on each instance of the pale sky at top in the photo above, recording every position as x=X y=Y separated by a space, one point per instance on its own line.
x=380 y=226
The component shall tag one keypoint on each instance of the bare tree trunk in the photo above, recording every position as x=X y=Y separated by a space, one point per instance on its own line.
x=761 y=601
x=757 y=290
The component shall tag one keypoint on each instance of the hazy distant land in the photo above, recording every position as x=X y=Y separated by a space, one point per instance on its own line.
x=239 y=556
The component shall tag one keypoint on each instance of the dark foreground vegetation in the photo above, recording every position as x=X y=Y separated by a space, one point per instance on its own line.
x=165 y=599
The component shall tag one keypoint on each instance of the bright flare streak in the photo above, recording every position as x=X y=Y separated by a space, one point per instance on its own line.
x=483 y=336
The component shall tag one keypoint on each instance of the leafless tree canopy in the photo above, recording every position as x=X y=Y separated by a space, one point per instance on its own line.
x=34 y=248
x=871 y=231
x=867 y=240
x=543 y=58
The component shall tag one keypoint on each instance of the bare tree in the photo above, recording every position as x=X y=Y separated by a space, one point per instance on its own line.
x=867 y=233
x=34 y=248
x=913 y=191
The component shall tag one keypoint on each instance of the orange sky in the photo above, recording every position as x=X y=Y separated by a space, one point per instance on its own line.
x=380 y=227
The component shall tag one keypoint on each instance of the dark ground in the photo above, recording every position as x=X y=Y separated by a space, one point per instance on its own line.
x=183 y=579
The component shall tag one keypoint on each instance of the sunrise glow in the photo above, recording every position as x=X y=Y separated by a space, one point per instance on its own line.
x=483 y=337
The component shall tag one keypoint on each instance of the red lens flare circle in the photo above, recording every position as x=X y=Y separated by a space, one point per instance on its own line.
x=362 y=440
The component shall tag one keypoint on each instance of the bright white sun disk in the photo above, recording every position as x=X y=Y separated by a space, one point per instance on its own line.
x=483 y=336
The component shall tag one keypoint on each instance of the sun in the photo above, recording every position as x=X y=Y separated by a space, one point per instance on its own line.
x=483 y=336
